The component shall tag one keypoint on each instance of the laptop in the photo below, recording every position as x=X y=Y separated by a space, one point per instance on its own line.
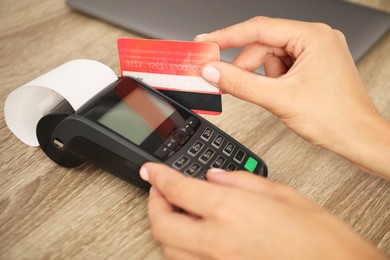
x=184 y=19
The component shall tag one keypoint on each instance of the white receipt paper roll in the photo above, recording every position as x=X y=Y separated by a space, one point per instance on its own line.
x=77 y=81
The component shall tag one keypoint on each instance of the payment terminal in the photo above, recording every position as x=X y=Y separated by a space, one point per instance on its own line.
x=129 y=123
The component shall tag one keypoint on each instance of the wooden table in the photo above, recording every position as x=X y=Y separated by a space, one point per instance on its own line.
x=48 y=212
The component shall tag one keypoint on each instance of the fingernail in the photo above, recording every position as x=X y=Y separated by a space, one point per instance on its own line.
x=143 y=172
x=200 y=36
x=216 y=170
x=211 y=74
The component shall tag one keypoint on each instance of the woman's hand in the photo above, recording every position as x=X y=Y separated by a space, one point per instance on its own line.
x=311 y=84
x=242 y=216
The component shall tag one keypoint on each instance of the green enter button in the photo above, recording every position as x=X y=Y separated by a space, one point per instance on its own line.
x=250 y=164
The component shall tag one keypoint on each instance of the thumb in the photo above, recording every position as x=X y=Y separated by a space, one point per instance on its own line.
x=243 y=84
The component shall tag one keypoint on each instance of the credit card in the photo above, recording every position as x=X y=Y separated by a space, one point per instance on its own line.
x=174 y=68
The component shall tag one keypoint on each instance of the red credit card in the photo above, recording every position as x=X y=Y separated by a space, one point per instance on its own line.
x=174 y=68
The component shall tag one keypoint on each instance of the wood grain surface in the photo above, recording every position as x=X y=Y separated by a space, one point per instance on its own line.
x=48 y=212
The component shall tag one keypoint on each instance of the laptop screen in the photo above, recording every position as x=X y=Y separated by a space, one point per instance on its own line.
x=182 y=20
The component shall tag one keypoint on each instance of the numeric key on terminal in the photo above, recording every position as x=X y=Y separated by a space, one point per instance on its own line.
x=229 y=148
x=239 y=157
x=194 y=150
x=181 y=162
x=206 y=156
x=231 y=167
x=218 y=141
x=202 y=176
x=193 y=169
x=207 y=133
x=218 y=163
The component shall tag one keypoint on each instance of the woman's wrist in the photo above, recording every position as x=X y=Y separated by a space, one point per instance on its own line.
x=367 y=145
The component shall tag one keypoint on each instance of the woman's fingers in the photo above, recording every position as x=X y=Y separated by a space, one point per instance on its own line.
x=271 y=32
x=264 y=91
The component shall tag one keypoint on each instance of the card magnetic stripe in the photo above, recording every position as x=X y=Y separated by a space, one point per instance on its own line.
x=197 y=101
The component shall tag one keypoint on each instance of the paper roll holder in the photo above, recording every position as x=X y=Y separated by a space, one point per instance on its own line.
x=44 y=130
